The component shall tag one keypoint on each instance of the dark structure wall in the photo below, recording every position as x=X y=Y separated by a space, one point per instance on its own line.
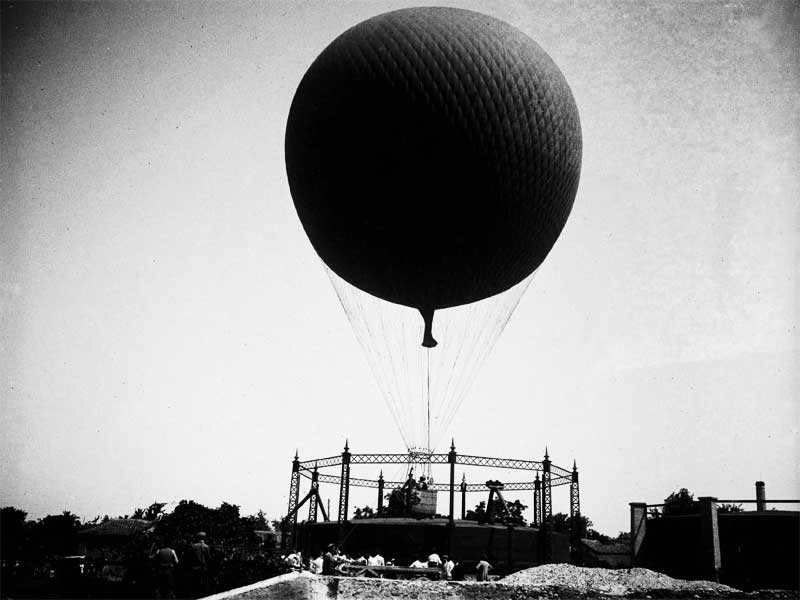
x=760 y=549
x=672 y=545
x=407 y=539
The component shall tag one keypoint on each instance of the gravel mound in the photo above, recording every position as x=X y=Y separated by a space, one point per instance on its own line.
x=614 y=582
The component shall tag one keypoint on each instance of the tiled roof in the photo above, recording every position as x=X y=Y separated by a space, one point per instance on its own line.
x=119 y=527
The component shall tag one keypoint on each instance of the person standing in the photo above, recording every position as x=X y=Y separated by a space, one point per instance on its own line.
x=482 y=569
x=201 y=557
x=166 y=561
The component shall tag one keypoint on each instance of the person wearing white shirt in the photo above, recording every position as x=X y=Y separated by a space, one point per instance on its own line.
x=433 y=559
x=316 y=565
x=418 y=564
x=447 y=567
x=376 y=560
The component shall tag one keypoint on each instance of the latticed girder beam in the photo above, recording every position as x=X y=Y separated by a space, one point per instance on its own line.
x=438 y=487
x=503 y=463
x=399 y=459
x=330 y=461
x=436 y=459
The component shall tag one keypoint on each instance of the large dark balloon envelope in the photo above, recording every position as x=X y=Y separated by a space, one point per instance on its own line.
x=433 y=155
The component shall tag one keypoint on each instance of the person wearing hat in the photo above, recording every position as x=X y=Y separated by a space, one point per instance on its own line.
x=166 y=560
x=201 y=557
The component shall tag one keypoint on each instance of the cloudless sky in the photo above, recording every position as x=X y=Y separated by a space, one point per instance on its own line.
x=167 y=331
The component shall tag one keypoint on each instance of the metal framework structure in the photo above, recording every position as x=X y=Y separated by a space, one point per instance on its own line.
x=574 y=494
x=551 y=476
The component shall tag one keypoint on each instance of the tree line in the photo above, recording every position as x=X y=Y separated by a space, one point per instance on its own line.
x=33 y=551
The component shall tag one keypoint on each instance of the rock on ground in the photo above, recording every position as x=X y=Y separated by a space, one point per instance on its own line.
x=609 y=581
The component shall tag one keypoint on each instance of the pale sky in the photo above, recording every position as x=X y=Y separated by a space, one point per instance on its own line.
x=167 y=331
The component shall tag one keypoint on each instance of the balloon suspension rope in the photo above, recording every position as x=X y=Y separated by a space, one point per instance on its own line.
x=428 y=353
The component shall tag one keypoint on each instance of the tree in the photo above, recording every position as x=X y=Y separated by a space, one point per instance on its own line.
x=57 y=534
x=514 y=516
x=478 y=513
x=12 y=532
x=151 y=513
x=680 y=503
x=364 y=513
x=258 y=521
x=563 y=523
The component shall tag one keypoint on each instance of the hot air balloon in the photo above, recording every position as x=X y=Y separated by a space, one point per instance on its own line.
x=433 y=156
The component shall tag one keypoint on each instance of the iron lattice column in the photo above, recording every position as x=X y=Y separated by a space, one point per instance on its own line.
x=574 y=496
x=547 y=504
x=290 y=523
x=451 y=524
x=463 y=496
x=380 y=494
x=537 y=501
x=312 y=499
x=546 y=523
x=576 y=524
x=344 y=485
x=451 y=457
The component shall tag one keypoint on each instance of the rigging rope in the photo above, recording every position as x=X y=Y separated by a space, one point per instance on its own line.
x=428 y=369
x=424 y=387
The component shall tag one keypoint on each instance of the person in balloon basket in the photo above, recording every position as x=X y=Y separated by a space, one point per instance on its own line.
x=482 y=569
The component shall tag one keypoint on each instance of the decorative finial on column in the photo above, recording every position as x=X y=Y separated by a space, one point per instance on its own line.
x=296 y=454
x=346 y=445
x=546 y=456
x=452 y=443
x=537 y=475
x=574 y=465
x=463 y=478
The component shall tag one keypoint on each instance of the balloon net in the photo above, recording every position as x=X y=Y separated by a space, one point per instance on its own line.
x=424 y=387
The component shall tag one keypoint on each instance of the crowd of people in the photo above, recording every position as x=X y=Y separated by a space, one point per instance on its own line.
x=326 y=563
x=166 y=560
